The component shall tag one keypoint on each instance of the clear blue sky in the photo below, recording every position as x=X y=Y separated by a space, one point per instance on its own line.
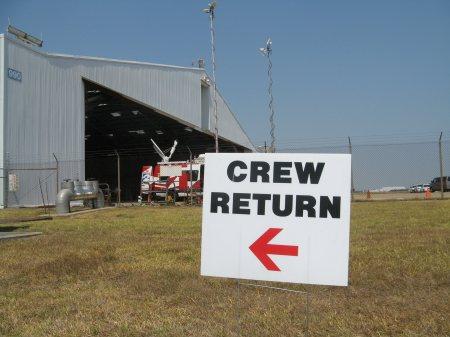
x=348 y=67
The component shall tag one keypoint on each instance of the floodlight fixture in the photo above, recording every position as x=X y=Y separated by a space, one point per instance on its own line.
x=211 y=8
x=266 y=51
x=138 y=132
x=205 y=81
x=25 y=37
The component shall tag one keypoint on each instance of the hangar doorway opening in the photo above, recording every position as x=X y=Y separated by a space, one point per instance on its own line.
x=118 y=130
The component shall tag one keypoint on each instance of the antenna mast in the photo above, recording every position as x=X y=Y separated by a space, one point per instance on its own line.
x=267 y=51
x=211 y=11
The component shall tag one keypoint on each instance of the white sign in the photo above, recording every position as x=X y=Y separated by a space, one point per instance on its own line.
x=277 y=217
x=13 y=182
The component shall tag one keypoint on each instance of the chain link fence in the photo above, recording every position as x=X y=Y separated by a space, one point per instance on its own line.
x=382 y=170
x=36 y=184
x=392 y=170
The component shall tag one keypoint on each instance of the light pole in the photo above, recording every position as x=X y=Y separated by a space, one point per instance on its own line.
x=211 y=11
x=267 y=51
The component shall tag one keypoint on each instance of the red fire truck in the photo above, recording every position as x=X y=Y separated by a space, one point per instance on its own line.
x=172 y=180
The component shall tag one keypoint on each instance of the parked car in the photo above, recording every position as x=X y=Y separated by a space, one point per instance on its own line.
x=435 y=184
x=419 y=188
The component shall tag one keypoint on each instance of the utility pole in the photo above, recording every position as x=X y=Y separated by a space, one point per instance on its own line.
x=350 y=150
x=267 y=51
x=211 y=11
x=118 y=179
x=441 y=166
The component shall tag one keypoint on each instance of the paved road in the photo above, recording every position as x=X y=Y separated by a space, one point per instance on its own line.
x=397 y=196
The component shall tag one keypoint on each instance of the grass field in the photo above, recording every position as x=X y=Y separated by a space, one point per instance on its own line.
x=135 y=272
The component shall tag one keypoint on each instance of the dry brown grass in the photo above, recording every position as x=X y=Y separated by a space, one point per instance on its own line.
x=135 y=272
x=16 y=213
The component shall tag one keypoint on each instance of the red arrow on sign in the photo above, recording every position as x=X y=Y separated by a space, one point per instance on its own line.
x=261 y=248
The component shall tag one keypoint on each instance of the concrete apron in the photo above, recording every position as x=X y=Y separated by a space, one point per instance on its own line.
x=17 y=235
x=80 y=212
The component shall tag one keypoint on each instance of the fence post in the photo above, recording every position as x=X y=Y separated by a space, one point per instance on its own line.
x=441 y=166
x=57 y=173
x=190 y=175
x=5 y=178
x=350 y=151
x=118 y=178
x=42 y=196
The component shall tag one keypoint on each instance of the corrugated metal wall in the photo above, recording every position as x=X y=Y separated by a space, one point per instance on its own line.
x=44 y=113
x=229 y=127
x=2 y=106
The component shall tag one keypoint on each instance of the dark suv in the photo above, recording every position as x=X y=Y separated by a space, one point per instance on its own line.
x=435 y=184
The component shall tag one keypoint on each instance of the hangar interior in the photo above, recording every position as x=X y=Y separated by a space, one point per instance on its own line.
x=119 y=126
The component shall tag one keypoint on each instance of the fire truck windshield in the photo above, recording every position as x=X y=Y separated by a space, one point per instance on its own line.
x=194 y=175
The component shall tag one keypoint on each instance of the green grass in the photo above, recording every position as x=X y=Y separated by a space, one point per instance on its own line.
x=135 y=272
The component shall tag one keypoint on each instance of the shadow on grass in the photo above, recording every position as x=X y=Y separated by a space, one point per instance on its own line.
x=12 y=228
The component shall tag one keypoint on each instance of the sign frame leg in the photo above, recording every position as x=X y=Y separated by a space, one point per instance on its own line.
x=255 y=285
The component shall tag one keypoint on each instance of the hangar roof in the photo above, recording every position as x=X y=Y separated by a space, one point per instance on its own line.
x=175 y=91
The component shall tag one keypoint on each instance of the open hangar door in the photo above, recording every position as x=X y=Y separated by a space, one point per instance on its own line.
x=119 y=129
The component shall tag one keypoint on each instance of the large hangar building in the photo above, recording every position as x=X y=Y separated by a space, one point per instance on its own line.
x=71 y=117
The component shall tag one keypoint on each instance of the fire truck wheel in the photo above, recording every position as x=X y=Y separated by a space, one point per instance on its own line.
x=171 y=197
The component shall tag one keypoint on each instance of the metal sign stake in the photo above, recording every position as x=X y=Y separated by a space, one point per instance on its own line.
x=255 y=285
